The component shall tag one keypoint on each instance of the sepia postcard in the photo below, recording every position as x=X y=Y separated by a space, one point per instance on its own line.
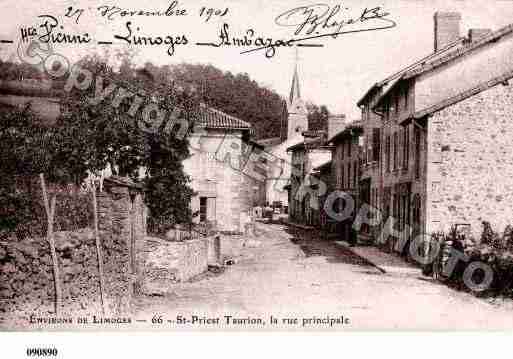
x=256 y=165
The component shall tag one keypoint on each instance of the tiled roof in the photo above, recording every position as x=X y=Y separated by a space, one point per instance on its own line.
x=324 y=166
x=355 y=125
x=460 y=97
x=212 y=118
x=434 y=63
x=266 y=142
x=313 y=133
x=390 y=81
x=314 y=143
x=444 y=56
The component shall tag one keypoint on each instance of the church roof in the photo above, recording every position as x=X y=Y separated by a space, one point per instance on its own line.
x=295 y=92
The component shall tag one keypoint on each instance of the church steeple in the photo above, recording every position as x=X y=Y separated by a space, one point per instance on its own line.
x=297 y=114
x=295 y=92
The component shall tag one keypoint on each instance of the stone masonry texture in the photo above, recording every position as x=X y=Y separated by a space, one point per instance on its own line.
x=470 y=162
x=161 y=263
x=26 y=275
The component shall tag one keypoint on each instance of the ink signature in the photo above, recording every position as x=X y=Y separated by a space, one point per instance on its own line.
x=321 y=20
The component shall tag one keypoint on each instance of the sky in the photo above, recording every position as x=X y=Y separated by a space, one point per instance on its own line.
x=336 y=75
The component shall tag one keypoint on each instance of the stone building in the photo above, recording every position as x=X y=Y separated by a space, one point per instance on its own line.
x=224 y=176
x=345 y=169
x=438 y=135
x=279 y=174
x=322 y=176
x=305 y=188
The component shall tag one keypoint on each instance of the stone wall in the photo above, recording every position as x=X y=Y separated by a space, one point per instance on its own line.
x=26 y=275
x=26 y=270
x=470 y=167
x=161 y=263
x=122 y=221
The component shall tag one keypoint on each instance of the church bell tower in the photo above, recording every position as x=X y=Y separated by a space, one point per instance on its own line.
x=297 y=121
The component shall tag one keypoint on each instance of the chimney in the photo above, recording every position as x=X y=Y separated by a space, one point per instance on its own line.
x=336 y=123
x=447 y=28
x=476 y=34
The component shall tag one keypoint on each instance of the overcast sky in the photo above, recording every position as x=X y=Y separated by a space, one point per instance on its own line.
x=336 y=75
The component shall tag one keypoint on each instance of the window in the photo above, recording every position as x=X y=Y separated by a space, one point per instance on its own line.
x=386 y=110
x=341 y=175
x=349 y=148
x=388 y=153
x=365 y=149
x=406 y=98
x=349 y=175
x=417 y=152
x=396 y=106
x=376 y=142
x=416 y=209
x=203 y=209
x=365 y=112
x=341 y=147
x=406 y=148
x=395 y=151
x=355 y=174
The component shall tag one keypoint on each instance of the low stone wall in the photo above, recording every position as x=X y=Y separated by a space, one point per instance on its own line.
x=26 y=275
x=27 y=284
x=214 y=250
x=161 y=263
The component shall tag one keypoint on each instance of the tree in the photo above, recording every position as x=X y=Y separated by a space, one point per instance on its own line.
x=94 y=136
x=26 y=149
x=317 y=117
x=237 y=95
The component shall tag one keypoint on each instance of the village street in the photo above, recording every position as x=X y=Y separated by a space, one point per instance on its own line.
x=288 y=275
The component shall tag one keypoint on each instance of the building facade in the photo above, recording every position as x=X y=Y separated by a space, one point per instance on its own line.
x=305 y=188
x=226 y=187
x=437 y=134
x=279 y=173
x=346 y=172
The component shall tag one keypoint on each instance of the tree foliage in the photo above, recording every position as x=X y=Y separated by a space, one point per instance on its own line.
x=317 y=117
x=89 y=137
x=237 y=95
x=108 y=134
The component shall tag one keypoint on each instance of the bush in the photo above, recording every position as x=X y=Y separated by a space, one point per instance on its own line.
x=493 y=249
x=23 y=214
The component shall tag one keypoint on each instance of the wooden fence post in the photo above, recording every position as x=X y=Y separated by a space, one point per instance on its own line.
x=50 y=213
x=98 y=250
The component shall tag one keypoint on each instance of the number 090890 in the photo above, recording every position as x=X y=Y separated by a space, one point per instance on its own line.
x=42 y=352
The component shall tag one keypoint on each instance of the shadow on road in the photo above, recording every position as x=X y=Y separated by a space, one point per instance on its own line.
x=312 y=245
